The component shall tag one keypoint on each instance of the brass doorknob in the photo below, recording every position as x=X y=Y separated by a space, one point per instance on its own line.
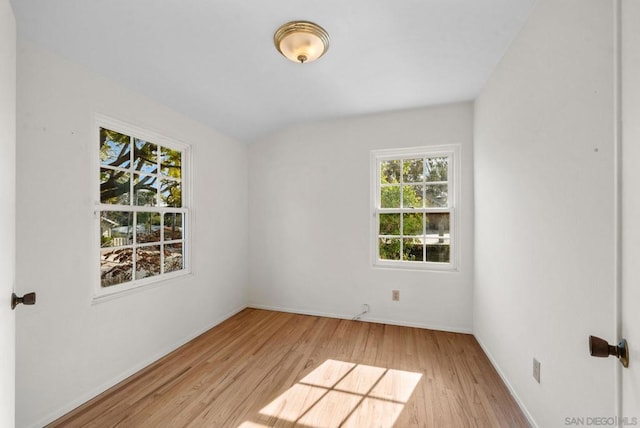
x=600 y=348
x=27 y=299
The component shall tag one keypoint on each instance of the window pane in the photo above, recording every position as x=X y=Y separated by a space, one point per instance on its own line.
x=437 y=195
x=145 y=156
x=437 y=225
x=173 y=258
x=145 y=190
x=171 y=162
x=437 y=169
x=412 y=224
x=114 y=187
x=171 y=193
x=147 y=227
x=172 y=226
x=116 y=228
x=390 y=171
x=390 y=197
x=115 y=148
x=412 y=170
x=147 y=261
x=389 y=248
x=413 y=249
x=116 y=266
x=389 y=224
x=412 y=196
x=438 y=250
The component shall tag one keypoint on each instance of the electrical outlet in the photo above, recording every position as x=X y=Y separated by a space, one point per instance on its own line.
x=395 y=295
x=365 y=308
x=536 y=370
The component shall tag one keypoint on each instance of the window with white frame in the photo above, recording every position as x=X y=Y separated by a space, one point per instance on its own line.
x=414 y=195
x=142 y=210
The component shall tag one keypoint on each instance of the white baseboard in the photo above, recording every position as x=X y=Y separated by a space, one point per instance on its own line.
x=365 y=318
x=504 y=378
x=122 y=376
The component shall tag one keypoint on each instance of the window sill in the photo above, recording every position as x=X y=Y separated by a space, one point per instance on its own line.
x=419 y=267
x=105 y=295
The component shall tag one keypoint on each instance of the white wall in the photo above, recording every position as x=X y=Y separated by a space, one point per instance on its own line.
x=310 y=221
x=7 y=210
x=67 y=348
x=544 y=201
x=630 y=328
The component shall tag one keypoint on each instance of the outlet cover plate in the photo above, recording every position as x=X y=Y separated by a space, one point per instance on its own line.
x=536 y=370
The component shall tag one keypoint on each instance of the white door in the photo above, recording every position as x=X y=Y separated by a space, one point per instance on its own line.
x=7 y=211
x=630 y=295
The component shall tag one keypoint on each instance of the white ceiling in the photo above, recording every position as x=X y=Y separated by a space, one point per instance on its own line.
x=215 y=60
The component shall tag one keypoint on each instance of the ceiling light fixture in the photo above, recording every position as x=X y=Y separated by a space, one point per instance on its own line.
x=301 y=41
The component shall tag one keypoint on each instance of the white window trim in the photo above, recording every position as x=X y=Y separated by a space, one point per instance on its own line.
x=453 y=152
x=100 y=293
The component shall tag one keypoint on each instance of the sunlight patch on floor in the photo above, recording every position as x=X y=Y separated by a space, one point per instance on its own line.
x=373 y=412
x=338 y=393
x=294 y=402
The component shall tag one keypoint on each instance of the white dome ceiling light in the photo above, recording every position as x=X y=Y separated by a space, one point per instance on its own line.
x=301 y=41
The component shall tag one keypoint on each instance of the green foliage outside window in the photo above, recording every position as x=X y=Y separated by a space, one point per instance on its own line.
x=421 y=184
x=139 y=173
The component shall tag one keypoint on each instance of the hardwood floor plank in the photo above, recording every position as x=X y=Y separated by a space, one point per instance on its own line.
x=262 y=369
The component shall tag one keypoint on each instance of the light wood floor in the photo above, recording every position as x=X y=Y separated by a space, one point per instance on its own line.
x=263 y=368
